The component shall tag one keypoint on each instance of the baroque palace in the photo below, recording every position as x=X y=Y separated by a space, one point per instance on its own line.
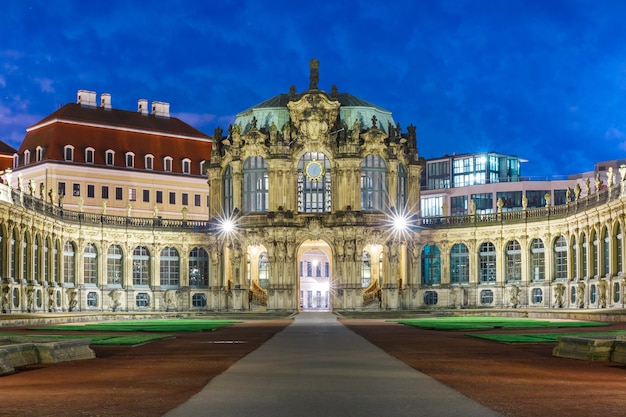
x=310 y=201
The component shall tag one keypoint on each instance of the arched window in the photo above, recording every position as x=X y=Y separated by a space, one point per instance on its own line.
x=227 y=189
x=69 y=263
x=26 y=157
x=606 y=253
x=149 y=161
x=366 y=269
x=459 y=264
x=39 y=153
x=255 y=185
x=25 y=258
x=513 y=261
x=141 y=266
x=373 y=183
x=263 y=270
x=560 y=258
x=537 y=260
x=13 y=256
x=46 y=260
x=198 y=268
x=584 y=255
x=314 y=187
x=536 y=296
x=130 y=160
x=167 y=163
x=69 y=153
x=617 y=243
x=170 y=267
x=90 y=264
x=109 y=156
x=401 y=191
x=115 y=272
x=56 y=262
x=431 y=265
x=36 y=259
x=594 y=253
x=574 y=248
x=89 y=155
x=186 y=166
x=487 y=256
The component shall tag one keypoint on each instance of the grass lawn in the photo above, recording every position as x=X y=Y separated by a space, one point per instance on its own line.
x=538 y=338
x=480 y=323
x=161 y=325
x=102 y=340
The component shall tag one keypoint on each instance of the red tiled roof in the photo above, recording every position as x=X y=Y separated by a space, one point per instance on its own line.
x=118 y=130
x=6 y=149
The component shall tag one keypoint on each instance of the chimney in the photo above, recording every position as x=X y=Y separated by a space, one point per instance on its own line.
x=105 y=101
x=86 y=98
x=160 y=109
x=142 y=106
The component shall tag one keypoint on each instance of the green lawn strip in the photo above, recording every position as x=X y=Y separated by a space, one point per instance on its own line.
x=179 y=325
x=480 y=323
x=539 y=337
x=102 y=340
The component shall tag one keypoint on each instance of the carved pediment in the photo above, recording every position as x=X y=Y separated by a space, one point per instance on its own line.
x=374 y=141
x=313 y=115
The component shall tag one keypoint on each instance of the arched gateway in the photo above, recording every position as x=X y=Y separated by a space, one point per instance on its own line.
x=315 y=276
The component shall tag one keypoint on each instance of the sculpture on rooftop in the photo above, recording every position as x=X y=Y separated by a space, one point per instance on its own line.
x=314 y=66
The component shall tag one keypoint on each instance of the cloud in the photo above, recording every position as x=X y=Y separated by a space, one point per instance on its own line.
x=196 y=119
x=45 y=84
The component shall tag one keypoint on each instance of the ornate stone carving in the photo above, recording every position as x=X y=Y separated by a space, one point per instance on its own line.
x=313 y=115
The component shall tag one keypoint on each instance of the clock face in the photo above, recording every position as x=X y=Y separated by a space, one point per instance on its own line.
x=314 y=170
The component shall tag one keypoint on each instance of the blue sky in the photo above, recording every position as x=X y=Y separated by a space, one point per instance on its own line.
x=544 y=80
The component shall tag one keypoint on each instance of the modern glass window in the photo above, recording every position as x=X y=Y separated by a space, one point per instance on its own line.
x=438 y=174
x=459 y=264
x=141 y=266
x=69 y=263
x=431 y=206
x=373 y=183
x=314 y=183
x=560 y=197
x=115 y=265
x=255 y=185
x=560 y=258
x=537 y=260
x=401 y=187
x=366 y=269
x=512 y=200
x=170 y=267
x=458 y=205
x=431 y=265
x=513 y=261
x=90 y=264
x=536 y=198
x=487 y=258
x=484 y=203
x=199 y=268
x=227 y=190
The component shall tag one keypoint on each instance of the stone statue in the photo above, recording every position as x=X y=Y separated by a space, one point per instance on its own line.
x=20 y=182
x=602 y=290
x=314 y=66
x=60 y=200
x=103 y=207
x=598 y=182
x=514 y=292
x=155 y=212
x=559 y=293
x=548 y=198
x=115 y=296
x=524 y=202
x=273 y=133
x=81 y=202
x=31 y=188
x=580 y=294
x=609 y=177
x=472 y=207
x=577 y=191
x=568 y=195
x=129 y=209
x=622 y=172
x=356 y=130
x=42 y=191
x=588 y=186
x=500 y=204
x=170 y=299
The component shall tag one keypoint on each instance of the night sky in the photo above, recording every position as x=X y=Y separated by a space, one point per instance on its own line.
x=543 y=80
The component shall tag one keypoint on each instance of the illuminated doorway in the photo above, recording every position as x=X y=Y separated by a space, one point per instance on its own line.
x=315 y=271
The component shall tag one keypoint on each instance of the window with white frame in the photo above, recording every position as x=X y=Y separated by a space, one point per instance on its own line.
x=69 y=152
x=167 y=163
x=560 y=258
x=38 y=153
x=109 y=157
x=26 y=157
x=149 y=162
x=115 y=265
x=537 y=260
x=186 y=166
x=89 y=155
x=90 y=264
x=513 y=261
x=130 y=160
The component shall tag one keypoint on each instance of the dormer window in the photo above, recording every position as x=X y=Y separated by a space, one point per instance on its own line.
x=89 y=155
x=39 y=153
x=16 y=160
x=130 y=160
x=149 y=162
x=202 y=167
x=110 y=155
x=167 y=163
x=26 y=157
x=186 y=166
x=69 y=153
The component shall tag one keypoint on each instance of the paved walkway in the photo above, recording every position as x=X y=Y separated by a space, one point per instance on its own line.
x=317 y=367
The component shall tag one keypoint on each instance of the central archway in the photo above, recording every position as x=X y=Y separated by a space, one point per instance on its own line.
x=315 y=272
